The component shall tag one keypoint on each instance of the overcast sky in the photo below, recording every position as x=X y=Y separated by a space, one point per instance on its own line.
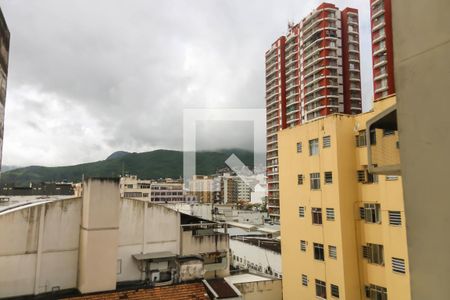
x=87 y=78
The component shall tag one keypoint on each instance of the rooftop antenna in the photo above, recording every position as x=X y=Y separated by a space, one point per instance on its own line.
x=290 y=24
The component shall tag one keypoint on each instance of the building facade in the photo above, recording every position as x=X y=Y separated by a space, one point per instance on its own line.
x=161 y=191
x=4 y=58
x=311 y=72
x=382 y=48
x=102 y=241
x=343 y=231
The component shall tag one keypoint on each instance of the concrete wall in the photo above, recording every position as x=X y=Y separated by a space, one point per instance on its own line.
x=99 y=235
x=422 y=72
x=140 y=231
x=261 y=290
x=39 y=248
x=258 y=256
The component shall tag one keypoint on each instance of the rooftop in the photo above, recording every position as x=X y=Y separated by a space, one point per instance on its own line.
x=191 y=291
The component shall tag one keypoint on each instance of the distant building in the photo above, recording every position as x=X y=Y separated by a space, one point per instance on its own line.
x=38 y=189
x=101 y=242
x=161 y=191
x=206 y=188
x=4 y=59
x=382 y=48
x=311 y=72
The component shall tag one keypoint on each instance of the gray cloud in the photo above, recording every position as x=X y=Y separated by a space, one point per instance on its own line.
x=107 y=75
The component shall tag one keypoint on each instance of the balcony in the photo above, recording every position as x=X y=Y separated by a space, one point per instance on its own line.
x=377 y=11
x=384 y=155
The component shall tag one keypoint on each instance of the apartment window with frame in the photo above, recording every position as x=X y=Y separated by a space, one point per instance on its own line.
x=395 y=218
x=304 y=280
x=391 y=177
x=398 y=265
x=299 y=179
x=328 y=177
x=330 y=214
x=318 y=252
x=372 y=213
x=314 y=181
x=373 y=137
x=314 y=147
x=299 y=147
x=316 y=213
x=334 y=290
x=303 y=245
x=321 y=289
x=361 y=139
x=332 y=252
x=361 y=175
x=388 y=132
x=301 y=211
x=375 y=292
x=374 y=253
x=326 y=142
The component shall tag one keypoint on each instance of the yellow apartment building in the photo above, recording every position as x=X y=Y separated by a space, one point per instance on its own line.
x=343 y=228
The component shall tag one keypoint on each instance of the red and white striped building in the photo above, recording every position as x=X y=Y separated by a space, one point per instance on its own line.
x=382 y=48
x=311 y=72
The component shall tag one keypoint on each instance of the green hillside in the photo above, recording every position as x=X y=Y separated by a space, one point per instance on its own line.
x=146 y=165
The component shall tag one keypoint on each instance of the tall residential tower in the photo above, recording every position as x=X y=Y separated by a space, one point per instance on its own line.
x=311 y=72
x=382 y=48
x=4 y=54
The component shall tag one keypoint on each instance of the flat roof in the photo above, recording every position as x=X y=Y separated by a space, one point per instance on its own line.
x=243 y=278
x=154 y=255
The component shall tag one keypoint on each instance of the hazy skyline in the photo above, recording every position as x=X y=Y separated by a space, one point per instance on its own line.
x=87 y=78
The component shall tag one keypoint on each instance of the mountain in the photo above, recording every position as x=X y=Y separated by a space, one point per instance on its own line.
x=146 y=165
x=117 y=154
x=8 y=168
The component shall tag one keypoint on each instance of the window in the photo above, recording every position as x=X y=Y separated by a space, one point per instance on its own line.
x=391 y=178
x=372 y=213
x=119 y=267
x=315 y=181
x=364 y=176
x=334 y=291
x=361 y=139
x=328 y=177
x=330 y=214
x=375 y=292
x=371 y=178
x=388 y=132
x=316 y=215
x=299 y=179
x=303 y=245
x=332 y=252
x=314 y=147
x=373 y=137
x=301 y=211
x=304 y=280
x=318 y=252
x=374 y=253
x=362 y=213
x=398 y=265
x=321 y=289
x=299 y=147
x=395 y=218
x=326 y=143
x=361 y=175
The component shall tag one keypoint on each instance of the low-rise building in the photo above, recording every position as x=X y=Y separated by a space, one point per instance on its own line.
x=100 y=241
x=256 y=254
